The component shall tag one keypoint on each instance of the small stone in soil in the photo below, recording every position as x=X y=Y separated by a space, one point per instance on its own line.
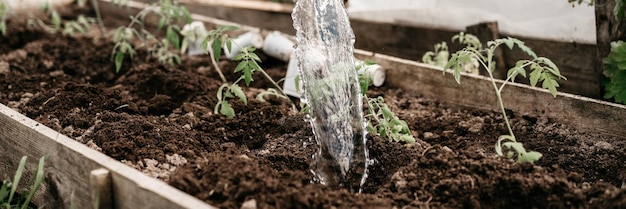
x=250 y=204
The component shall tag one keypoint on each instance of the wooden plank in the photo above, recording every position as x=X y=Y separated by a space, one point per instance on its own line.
x=245 y=4
x=578 y=112
x=576 y=61
x=69 y=164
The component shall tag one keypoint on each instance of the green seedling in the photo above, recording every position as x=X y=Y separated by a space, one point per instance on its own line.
x=381 y=120
x=542 y=70
x=8 y=190
x=81 y=24
x=441 y=56
x=169 y=13
x=215 y=38
x=248 y=65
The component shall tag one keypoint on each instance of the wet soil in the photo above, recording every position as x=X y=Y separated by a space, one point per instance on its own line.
x=159 y=119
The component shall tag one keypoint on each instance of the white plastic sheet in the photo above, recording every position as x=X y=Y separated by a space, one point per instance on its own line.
x=544 y=19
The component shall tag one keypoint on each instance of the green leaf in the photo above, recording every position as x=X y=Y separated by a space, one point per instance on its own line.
x=161 y=23
x=56 y=20
x=524 y=48
x=254 y=57
x=229 y=45
x=508 y=42
x=3 y=28
x=38 y=179
x=186 y=14
x=247 y=75
x=238 y=92
x=452 y=62
x=172 y=37
x=552 y=67
x=530 y=157
x=216 y=46
x=535 y=75
x=227 y=110
x=16 y=178
x=119 y=58
x=241 y=66
x=4 y=190
x=550 y=84
x=228 y=27
x=406 y=138
x=239 y=56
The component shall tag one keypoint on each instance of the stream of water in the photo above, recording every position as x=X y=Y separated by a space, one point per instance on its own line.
x=331 y=89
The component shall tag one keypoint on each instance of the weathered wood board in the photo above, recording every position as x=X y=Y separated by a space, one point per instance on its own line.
x=68 y=166
x=582 y=113
x=576 y=61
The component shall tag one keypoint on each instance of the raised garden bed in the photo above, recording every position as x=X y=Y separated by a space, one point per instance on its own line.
x=159 y=119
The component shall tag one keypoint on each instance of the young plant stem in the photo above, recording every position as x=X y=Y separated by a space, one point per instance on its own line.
x=217 y=68
x=278 y=88
x=98 y=18
x=498 y=94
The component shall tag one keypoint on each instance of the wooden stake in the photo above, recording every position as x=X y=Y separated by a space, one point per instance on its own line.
x=101 y=188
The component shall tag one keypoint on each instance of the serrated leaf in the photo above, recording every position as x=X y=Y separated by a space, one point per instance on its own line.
x=241 y=66
x=508 y=42
x=535 y=75
x=239 y=56
x=247 y=76
x=550 y=84
x=555 y=69
x=254 y=57
x=227 y=110
x=238 y=92
x=457 y=75
x=525 y=49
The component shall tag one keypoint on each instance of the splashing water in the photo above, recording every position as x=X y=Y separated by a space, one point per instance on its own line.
x=331 y=89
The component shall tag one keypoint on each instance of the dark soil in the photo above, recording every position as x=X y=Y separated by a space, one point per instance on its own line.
x=152 y=112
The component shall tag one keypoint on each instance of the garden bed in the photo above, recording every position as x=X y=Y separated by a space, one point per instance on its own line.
x=159 y=119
